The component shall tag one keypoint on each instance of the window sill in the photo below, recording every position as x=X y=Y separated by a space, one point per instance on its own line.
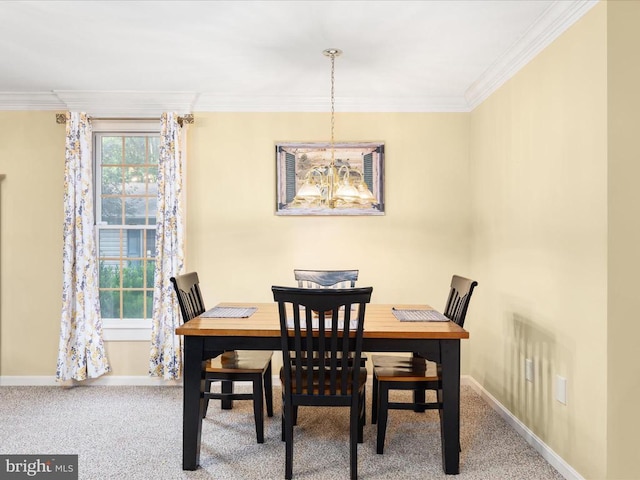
x=131 y=330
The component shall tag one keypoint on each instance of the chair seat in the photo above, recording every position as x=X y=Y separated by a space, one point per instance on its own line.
x=389 y=368
x=390 y=360
x=362 y=379
x=239 y=361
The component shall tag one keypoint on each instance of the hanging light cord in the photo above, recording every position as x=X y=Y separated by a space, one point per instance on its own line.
x=333 y=110
x=332 y=53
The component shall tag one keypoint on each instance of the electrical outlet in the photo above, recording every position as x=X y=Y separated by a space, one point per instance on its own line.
x=528 y=369
x=561 y=389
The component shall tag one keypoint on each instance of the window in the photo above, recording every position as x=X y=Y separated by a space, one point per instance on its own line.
x=126 y=205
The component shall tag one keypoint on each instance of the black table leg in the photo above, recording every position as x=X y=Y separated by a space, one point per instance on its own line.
x=419 y=395
x=450 y=415
x=193 y=402
x=226 y=387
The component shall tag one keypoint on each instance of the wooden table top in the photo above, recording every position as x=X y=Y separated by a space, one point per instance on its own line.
x=379 y=323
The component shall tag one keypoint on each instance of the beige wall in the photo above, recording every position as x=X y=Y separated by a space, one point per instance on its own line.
x=241 y=248
x=32 y=157
x=234 y=240
x=623 y=372
x=539 y=243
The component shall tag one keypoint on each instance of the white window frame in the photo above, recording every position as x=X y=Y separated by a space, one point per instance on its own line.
x=126 y=329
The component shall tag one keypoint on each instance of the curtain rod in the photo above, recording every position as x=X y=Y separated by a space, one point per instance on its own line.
x=187 y=119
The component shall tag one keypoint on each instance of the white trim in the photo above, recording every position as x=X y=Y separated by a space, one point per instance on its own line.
x=114 y=103
x=115 y=330
x=126 y=323
x=557 y=462
x=105 y=380
x=30 y=101
x=554 y=21
x=211 y=102
x=126 y=334
x=150 y=126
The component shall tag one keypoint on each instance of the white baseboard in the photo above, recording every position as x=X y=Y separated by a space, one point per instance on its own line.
x=566 y=470
x=105 y=380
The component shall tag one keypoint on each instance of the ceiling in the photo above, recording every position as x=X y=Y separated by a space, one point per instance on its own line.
x=145 y=57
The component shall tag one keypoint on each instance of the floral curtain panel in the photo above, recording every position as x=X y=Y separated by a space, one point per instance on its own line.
x=81 y=352
x=166 y=347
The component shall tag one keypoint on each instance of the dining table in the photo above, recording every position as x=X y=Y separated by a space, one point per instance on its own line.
x=206 y=337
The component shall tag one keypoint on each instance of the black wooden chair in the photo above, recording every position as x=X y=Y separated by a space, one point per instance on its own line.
x=231 y=366
x=415 y=372
x=327 y=279
x=320 y=323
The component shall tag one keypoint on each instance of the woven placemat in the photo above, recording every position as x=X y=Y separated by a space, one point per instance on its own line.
x=406 y=315
x=229 y=312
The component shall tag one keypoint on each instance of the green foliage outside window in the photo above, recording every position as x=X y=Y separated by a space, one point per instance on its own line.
x=134 y=284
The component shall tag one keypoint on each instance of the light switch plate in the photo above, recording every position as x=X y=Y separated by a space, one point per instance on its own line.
x=561 y=389
x=528 y=369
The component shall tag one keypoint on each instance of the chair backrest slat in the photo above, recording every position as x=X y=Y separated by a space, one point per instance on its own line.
x=317 y=324
x=459 y=297
x=326 y=278
x=187 y=288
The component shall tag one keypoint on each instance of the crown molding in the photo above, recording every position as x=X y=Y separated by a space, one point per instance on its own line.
x=101 y=103
x=152 y=104
x=115 y=103
x=30 y=101
x=549 y=26
x=224 y=103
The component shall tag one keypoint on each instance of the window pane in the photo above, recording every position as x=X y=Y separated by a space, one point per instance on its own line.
x=135 y=210
x=109 y=274
x=134 y=149
x=112 y=210
x=152 y=210
x=132 y=274
x=152 y=180
x=111 y=150
x=109 y=304
x=133 y=244
x=151 y=243
x=135 y=178
x=111 y=180
x=151 y=270
x=133 y=304
x=109 y=243
x=154 y=149
x=149 y=304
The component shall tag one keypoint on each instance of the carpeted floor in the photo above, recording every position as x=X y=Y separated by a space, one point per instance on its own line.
x=136 y=433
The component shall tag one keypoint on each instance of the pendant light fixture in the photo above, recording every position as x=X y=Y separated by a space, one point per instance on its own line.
x=330 y=186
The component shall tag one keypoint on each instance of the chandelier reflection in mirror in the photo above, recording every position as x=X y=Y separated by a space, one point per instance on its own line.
x=330 y=179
